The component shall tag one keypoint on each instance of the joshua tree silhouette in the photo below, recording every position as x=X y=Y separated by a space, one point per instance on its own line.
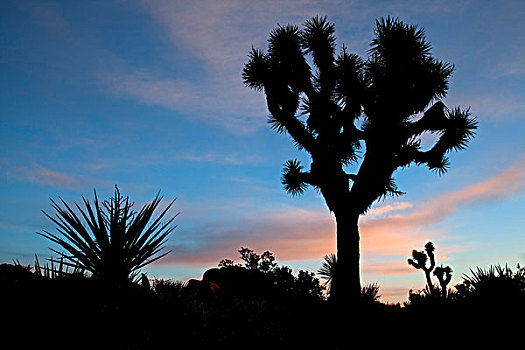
x=443 y=274
x=419 y=261
x=346 y=104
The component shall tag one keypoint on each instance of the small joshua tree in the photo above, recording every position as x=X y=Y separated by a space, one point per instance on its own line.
x=419 y=261
x=444 y=275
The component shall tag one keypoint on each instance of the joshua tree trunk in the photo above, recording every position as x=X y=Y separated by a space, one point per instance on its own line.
x=347 y=281
x=429 y=281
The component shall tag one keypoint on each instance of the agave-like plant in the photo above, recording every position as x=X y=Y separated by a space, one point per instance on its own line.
x=327 y=270
x=113 y=241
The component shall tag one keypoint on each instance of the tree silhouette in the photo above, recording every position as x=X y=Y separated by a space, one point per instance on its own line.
x=348 y=112
x=419 y=261
x=444 y=276
x=443 y=273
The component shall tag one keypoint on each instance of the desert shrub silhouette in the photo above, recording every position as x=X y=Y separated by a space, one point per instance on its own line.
x=115 y=241
x=495 y=285
x=261 y=276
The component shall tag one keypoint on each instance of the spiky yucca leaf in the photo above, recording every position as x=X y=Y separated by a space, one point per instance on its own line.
x=318 y=38
x=114 y=241
x=255 y=72
x=292 y=178
x=327 y=270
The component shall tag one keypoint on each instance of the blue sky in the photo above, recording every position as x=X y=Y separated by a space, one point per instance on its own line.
x=148 y=95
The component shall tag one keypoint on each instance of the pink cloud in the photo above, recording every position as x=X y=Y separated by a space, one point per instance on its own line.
x=388 y=209
x=400 y=268
x=300 y=234
x=392 y=233
x=291 y=234
x=43 y=176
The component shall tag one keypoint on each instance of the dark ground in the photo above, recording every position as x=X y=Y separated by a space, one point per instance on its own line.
x=83 y=313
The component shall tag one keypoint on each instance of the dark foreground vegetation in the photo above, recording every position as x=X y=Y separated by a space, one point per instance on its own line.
x=94 y=296
x=261 y=306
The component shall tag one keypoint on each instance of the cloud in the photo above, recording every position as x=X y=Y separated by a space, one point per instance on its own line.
x=389 y=208
x=395 y=234
x=215 y=37
x=515 y=67
x=398 y=268
x=233 y=107
x=210 y=34
x=301 y=234
x=290 y=233
x=503 y=105
x=44 y=176
x=220 y=158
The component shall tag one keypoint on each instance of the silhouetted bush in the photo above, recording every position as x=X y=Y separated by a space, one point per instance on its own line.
x=425 y=297
x=168 y=290
x=370 y=293
x=282 y=313
x=262 y=277
x=496 y=284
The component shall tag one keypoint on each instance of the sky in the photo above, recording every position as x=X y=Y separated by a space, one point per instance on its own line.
x=148 y=95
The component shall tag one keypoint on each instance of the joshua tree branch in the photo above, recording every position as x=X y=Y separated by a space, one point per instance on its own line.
x=432 y=120
x=296 y=129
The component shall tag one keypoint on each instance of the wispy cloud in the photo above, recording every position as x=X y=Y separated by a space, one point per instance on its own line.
x=188 y=158
x=398 y=268
x=388 y=209
x=217 y=37
x=220 y=158
x=300 y=234
x=393 y=234
x=232 y=107
x=291 y=233
x=514 y=67
x=497 y=106
x=44 y=176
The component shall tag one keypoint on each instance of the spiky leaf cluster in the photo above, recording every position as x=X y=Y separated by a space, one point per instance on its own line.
x=110 y=239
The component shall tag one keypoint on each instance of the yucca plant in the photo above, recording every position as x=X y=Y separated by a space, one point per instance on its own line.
x=112 y=242
x=370 y=293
